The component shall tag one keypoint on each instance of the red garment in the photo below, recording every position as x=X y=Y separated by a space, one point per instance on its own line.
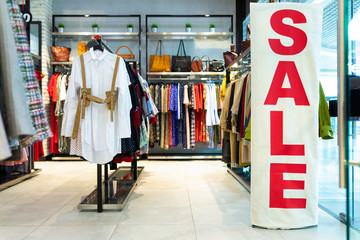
x=52 y=89
x=39 y=75
x=242 y=113
x=169 y=99
x=153 y=120
x=171 y=143
x=38 y=150
x=123 y=159
x=198 y=136
x=54 y=147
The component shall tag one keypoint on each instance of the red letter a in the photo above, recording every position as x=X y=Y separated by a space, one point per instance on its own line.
x=296 y=90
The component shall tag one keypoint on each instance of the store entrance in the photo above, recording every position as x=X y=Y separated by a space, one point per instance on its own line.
x=349 y=114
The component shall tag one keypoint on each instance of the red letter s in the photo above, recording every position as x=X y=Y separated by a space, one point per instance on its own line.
x=296 y=34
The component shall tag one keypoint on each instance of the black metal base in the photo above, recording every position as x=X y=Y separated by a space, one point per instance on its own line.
x=115 y=191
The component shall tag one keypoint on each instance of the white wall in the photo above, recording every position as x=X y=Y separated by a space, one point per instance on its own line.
x=146 y=7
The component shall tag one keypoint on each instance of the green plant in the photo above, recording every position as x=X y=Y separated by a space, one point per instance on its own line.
x=129 y=25
x=61 y=25
x=188 y=25
x=212 y=25
x=94 y=25
x=154 y=25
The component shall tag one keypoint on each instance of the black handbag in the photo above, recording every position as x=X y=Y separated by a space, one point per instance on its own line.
x=181 y=63
x=216 y=66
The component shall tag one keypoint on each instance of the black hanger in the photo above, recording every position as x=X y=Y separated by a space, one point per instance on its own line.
x=98 y=47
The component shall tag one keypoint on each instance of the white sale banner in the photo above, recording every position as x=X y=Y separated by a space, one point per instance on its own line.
x=285 y=52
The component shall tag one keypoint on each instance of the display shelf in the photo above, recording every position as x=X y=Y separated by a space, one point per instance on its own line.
x=116 y=191
x=34 y=56
x=183 y=157
x=16 y=178
x=190 y=35
x=185 y=73
x=108 y=35
x=60 y=63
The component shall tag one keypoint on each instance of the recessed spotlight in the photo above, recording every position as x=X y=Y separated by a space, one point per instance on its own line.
x=86 y=15
x=207 y=15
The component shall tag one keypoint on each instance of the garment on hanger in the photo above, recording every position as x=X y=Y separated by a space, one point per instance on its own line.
x=33 y=94
x=101 y=128
x=15 y=109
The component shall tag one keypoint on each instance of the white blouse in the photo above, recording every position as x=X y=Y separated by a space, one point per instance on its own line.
x=99 y=136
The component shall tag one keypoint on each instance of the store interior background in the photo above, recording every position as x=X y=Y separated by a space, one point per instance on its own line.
x=331 y=197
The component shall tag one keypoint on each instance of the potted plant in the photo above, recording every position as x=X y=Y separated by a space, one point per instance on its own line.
x=95 y=27
x=212 y=27
x=61 y=27
x=130 y=27
x=154 y=27
x=188 y=27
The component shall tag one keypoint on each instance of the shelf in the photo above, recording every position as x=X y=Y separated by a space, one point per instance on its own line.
x=190 y=35
x=70 y=63
x=16 y=178
x=34 y=56
x=60 y=63
x=107 y=35
x=185 y=73
x=116 y=191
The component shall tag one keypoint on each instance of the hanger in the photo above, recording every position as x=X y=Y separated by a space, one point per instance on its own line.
x=98 y=47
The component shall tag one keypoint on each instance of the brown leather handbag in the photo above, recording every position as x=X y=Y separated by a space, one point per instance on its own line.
x=230 y=56
x=125 y=56
x=196 y=64
x=60 y=54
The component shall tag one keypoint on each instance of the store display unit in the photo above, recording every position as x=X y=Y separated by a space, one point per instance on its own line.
x=170 y=29
x=241 y=64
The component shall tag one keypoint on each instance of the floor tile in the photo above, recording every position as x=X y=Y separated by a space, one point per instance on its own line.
x=25 y=215
x=217 y=232
x=72 y=233
x=154 y=232
x=175 y=214
x=248 y=232
x=221 y=213
x=155 y=198
x=325 y=231
x=70 y=215
x=43 y=199
x=15 y=232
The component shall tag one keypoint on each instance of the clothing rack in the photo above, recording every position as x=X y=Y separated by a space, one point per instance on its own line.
x=240 y=63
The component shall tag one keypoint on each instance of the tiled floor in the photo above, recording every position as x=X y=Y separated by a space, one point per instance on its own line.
x=173 y=201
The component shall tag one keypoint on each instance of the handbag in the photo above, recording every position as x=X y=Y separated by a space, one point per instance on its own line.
x=82 y=48
x=181 y=63
x=216 y=66
x=160 y=63
x=207 y=62
x=196 y=64
x=125 y=56
x=230 y=56
x=60 y=54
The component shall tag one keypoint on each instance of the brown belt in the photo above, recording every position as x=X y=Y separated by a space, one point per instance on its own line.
x=86 y=97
